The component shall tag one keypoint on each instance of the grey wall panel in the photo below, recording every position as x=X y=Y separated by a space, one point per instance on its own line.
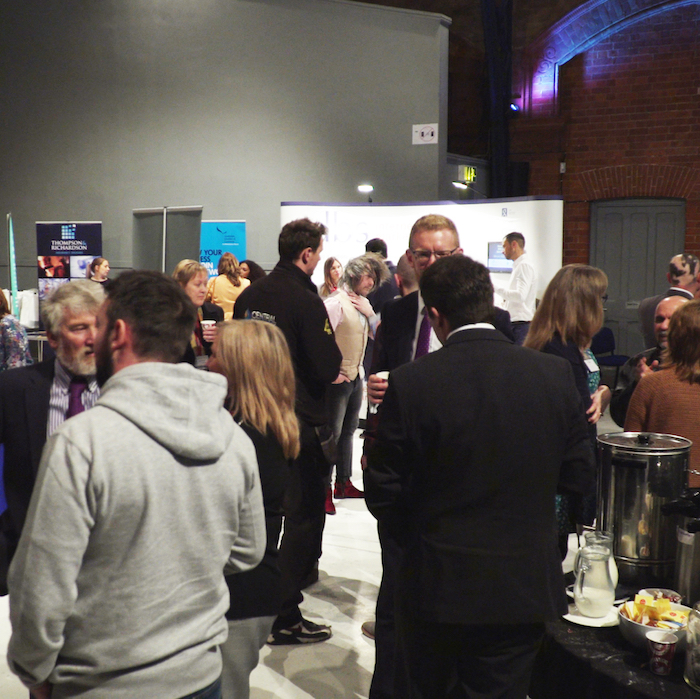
x=239 y=105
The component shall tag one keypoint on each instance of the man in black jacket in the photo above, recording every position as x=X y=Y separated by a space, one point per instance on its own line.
x=404 y=335
x=288 y=299
x=473 y=442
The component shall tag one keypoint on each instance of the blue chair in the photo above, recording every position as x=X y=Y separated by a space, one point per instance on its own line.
x=603 y=347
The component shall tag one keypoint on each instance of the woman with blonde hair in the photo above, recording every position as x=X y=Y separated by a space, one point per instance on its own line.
x=192 y=277
x=567 y=318
x=262 y=402
x=667 y=400
x=332 y=271
x=226 y=288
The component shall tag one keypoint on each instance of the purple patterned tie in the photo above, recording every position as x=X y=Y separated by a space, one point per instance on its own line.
x=423 y=344
x=76 y=390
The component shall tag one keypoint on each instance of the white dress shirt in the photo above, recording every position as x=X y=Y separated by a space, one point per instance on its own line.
x=520 y=294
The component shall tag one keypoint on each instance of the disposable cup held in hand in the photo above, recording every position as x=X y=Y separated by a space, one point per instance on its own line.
x=662 y=648
x=384 y=376
x=208 y=324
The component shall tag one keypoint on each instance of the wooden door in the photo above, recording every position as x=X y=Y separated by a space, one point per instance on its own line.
x=632 y=241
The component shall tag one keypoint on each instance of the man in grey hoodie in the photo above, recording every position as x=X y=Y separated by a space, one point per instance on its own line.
x=117 y=586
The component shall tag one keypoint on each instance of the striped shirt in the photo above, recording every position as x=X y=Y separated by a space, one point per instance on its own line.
x=60 y=395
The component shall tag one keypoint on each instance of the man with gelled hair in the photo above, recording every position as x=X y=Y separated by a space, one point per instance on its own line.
x=469 y=493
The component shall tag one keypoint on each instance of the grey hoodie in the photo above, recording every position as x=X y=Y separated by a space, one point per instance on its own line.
x=117 y=586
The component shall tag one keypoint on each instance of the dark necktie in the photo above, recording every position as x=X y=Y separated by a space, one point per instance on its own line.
x=76 y=389
x=423 y=344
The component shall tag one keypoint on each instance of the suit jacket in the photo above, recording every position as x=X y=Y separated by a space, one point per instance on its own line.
x=647 y=309
x=473 y=442
x=394 y=340
x=24 y=411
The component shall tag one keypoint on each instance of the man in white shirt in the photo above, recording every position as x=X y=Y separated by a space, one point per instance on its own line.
x=520 y=294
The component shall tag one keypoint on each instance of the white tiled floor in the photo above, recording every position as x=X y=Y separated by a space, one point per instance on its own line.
x=344 y=596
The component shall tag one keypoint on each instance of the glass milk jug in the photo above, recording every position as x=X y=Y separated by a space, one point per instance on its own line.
x=604 y=539
x=594 y=592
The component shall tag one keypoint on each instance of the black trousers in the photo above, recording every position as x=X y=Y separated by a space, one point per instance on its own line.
x=386 y=660
x=453 y=661
x=304 y=519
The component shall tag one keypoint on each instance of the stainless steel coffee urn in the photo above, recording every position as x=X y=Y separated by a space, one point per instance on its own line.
x=640 y=472
x=687 y=578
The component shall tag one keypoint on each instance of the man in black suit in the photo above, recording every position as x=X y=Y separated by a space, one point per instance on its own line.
x=36 y=399
x=473 y=443
x=684 y=277
x=404 y=335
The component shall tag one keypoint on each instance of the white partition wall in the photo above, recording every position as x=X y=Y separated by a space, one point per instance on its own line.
x=539 y=219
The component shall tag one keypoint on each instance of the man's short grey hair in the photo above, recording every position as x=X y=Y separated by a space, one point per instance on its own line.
x=369 y=263
x=80 y=296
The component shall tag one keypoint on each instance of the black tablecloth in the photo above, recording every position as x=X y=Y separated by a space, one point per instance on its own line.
x=577 y=662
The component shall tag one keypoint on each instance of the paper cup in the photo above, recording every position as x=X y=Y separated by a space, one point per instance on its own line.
x=208 y=323
x=662 y=648
x=383 y=375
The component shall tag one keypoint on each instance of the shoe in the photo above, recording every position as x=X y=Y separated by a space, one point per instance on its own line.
x=368 y=629
x=330 y=507
x=304 y=632
x=347 y=490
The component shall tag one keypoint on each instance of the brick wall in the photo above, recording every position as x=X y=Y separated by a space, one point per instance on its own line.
x=628 y=126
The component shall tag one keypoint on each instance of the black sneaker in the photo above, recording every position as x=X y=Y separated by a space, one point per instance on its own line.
x=303 y=632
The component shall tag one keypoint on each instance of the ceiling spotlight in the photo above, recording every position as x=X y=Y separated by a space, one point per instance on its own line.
x=366 y=189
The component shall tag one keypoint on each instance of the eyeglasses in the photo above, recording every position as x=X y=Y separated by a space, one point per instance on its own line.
x=604 y=297
x=425 y=255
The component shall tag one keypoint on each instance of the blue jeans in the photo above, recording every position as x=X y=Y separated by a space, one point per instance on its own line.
x=213 y=691
x=344 y=402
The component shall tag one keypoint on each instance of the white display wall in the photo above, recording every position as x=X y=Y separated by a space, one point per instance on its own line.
x=540 y=220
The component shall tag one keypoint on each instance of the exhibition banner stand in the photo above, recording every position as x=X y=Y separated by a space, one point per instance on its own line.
x=65 y=250
x=218 y=237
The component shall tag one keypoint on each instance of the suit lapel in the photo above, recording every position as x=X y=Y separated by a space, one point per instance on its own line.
x=37 y=410
x=411 y=319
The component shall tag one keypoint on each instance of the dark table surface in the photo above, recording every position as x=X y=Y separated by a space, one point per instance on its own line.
x=578 y=662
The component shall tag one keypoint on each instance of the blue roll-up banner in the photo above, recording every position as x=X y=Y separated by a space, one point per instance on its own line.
x=218 y=237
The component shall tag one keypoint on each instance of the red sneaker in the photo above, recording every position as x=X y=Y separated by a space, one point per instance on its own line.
x=330 y=507
x=350 y=491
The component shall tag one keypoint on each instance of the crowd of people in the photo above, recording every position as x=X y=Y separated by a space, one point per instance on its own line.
x=168 y=473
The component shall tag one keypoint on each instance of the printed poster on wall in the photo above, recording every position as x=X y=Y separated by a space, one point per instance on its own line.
x=218 y=237
x=65 y=250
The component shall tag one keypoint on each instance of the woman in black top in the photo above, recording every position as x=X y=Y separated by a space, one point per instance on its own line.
x=567 y=318
x=262 y=402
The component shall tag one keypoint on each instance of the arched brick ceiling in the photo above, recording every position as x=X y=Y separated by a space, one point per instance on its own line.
x=575 y=33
